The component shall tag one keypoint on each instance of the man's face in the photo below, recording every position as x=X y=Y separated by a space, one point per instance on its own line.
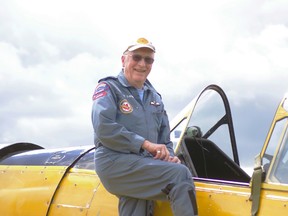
x=137 y=66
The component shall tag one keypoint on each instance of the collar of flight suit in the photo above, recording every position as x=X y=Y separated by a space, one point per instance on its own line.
x=122 y=79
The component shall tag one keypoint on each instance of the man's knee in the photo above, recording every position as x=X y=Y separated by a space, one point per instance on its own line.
x=181 y=173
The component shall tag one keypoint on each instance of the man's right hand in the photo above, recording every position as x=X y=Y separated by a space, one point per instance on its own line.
x=159 y=151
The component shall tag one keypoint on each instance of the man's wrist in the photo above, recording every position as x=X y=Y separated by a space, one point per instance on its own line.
x=145 y=144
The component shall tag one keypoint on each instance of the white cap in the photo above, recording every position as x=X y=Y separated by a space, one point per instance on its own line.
x=140 y=43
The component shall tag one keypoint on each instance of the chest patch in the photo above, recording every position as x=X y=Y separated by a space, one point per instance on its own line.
x=125 y=107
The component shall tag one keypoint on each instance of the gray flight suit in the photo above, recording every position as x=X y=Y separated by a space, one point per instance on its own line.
x=122 y=121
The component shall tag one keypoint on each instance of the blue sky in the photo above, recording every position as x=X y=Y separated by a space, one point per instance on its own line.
x=54 y=52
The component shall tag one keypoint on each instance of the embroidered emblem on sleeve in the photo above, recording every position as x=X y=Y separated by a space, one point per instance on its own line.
x=100 y=91
x=125 y=107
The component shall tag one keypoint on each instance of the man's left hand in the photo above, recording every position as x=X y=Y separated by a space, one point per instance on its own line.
x=174 y=159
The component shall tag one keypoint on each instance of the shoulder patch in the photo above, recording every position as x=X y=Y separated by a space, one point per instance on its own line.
x=100 y=90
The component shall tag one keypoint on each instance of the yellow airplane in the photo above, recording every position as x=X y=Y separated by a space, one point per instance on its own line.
x=38 y=181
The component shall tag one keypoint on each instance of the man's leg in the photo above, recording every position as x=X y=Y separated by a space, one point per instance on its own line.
x=144 y=178
x=182 y=198
x=134 y=207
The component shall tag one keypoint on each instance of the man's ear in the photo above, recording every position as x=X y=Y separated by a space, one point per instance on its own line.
x=123 y=60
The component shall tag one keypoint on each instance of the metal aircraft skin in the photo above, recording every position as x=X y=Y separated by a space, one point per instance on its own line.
x=38 y=181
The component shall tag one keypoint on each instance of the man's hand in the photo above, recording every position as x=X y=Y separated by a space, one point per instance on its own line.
x=159 y=151
x=174 y=159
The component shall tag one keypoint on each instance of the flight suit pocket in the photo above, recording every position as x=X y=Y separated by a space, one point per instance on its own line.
x=103 y=161
x=157 y=116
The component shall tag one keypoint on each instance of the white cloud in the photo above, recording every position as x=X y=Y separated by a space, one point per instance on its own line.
x=53 y=53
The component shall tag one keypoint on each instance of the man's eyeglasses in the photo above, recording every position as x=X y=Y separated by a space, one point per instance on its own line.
x=137 y=58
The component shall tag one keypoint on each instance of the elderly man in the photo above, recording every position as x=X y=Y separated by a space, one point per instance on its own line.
x=134 y=156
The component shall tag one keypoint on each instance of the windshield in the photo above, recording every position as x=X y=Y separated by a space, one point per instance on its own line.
x=208 y=112
x=279 y=167
x=209 y=116
x=207 y=143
